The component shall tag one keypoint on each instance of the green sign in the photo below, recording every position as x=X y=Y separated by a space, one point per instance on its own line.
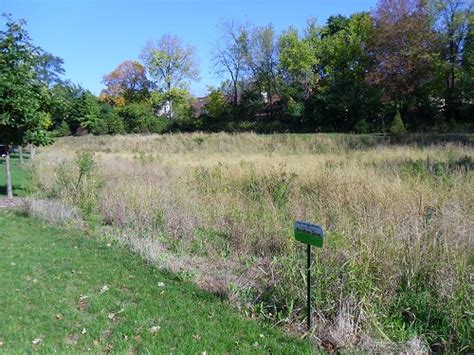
x=309 y=234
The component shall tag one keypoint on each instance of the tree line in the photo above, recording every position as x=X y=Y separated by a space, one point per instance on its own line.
x=407 y=65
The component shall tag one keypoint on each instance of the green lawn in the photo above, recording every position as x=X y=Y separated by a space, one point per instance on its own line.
x=20 y=177
x=69 y=292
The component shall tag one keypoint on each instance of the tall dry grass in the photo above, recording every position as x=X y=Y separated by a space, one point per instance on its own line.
x=395 y=272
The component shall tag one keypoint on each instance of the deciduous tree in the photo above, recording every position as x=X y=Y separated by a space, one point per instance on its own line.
x=127 y=83
x=344 y=95
x=405 y=50
x=452 y=22
x=230 y=53
x=297 y=60
x=171 y=63
x=21 y=91
x=50 y=69
x=262 y=61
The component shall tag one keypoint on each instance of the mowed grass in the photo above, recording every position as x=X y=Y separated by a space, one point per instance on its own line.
x=63 y=291
x=20 y=177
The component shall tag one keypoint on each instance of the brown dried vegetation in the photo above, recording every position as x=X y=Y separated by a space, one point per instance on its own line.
x=218 y=209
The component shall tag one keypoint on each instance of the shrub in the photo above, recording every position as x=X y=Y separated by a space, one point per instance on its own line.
x=140 y=118
x=362 y=126
x=62 y=130
x=398 y=127
x=109 y=122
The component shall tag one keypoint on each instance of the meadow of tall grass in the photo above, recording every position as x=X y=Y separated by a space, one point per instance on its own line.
x=396 y=270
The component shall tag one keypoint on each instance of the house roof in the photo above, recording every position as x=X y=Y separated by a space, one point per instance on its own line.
x=198 y=104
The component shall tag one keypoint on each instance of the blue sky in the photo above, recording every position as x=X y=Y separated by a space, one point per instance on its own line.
x=94 y=36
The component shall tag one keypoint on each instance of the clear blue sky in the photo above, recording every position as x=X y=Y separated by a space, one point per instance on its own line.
x=94 y=36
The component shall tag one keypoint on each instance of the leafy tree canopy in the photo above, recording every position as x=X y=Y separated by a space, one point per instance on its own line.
x=22 y=92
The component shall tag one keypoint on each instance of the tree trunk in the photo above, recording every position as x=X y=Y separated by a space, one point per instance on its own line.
x=9 y=177
x=170 y=100
x=235 y=94
x=32 y=151
x=20 y=152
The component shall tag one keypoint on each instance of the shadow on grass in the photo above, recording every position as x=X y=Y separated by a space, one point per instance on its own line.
x=18 y=190
x=364 y=141
x=427 y=139
x=201 y=293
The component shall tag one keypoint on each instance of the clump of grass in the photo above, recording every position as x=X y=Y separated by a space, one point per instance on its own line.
x=76 y=183
x=275 y=184
x=433 y=169
x=395 y=268
x=54 y=212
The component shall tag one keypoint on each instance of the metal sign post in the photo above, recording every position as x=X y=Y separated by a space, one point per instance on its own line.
x=309 y=234
x=308 y=282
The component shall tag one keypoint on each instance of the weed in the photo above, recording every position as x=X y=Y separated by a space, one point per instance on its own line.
x=78 y=184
